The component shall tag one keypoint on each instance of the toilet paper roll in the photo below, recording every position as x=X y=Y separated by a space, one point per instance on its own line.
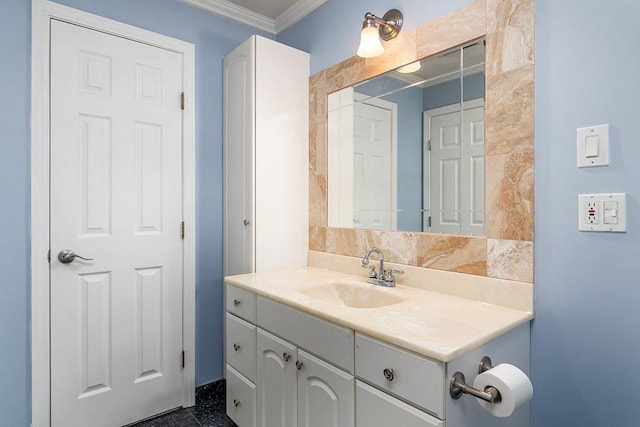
x=514 y=387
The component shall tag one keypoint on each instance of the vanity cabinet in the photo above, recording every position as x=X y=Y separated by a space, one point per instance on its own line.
x=265 y=150
x=302 y=372
x=311 y=372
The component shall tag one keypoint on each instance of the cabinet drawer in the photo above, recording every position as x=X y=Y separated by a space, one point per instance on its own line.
x=241 y=399
x=414 y=378
x=376 y=408
x=241 y=302
x=327 y=340
x=241 y=346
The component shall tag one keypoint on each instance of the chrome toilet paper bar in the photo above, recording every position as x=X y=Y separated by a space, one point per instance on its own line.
x=458 y=385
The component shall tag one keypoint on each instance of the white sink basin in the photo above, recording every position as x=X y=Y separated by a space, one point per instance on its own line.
x=352 y=294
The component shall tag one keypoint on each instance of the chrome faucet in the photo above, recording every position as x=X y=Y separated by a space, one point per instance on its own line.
x=382 y=277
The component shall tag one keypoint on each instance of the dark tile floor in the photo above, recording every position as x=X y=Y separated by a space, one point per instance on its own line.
x=210 y=411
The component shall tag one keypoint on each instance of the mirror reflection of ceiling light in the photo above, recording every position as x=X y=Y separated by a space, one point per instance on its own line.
x=374 y=29
x=410 y=68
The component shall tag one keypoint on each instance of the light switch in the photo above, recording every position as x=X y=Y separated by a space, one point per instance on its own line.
x=602 y=212
x=593 y=146
x=611 y=212
x=591 y=149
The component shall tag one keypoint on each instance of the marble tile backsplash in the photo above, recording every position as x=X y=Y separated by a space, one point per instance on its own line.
x=506 y=252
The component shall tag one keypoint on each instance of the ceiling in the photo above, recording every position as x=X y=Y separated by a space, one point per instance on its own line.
x=273 y=16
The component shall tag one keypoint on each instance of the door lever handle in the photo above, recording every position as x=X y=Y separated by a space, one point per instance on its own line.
x=66 y=256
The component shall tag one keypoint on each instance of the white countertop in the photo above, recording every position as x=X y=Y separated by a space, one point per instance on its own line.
x=433 y=324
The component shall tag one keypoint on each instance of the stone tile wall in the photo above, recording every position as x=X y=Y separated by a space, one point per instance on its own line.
x=506 y=252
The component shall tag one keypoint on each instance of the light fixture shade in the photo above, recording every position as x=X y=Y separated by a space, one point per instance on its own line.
x=410 y=68
x=370 y=45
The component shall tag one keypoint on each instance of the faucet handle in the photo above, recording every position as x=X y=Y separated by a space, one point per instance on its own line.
x=372 y=270
x=388 y=274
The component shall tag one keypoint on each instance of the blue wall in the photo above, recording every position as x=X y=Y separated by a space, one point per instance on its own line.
x=15 y=342
x=214 y=37
x=585 y=340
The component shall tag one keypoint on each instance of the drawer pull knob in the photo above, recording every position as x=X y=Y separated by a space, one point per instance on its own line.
x=388 y=374
x=299 y=365
x=236 y=302
x=286 y=357
x=236 y=402
x=236 y=347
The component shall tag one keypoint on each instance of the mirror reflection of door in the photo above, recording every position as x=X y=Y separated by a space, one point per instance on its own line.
x=454 y=185
x=356 y=192
x=374 y=165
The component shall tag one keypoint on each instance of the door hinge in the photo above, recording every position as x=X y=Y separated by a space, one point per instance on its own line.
x=182 y=101
x=182 y=230
x=49 y=256
x=182 y=357
x=429 y=145
x=429 y=221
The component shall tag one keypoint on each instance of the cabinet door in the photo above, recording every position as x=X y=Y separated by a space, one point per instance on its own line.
x=281 y=156
x=238 y=154
x=375 y=408
x=276 y=383
x=325 y=394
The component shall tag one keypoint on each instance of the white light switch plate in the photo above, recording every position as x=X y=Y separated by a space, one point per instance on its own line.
x=602 y=212
x=593 y=146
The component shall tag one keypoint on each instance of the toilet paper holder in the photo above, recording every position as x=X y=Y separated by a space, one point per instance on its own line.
x=458 y=385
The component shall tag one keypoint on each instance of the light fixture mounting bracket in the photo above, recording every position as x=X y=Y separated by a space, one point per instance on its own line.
x=392 y=25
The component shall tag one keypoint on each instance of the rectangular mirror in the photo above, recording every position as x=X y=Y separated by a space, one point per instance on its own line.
x=406 y=148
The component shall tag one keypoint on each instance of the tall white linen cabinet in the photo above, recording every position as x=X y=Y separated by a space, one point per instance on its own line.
x=266 y=157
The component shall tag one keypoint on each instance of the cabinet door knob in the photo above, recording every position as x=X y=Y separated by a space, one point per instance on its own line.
x=388 y=374
x=299 y=365
x=286 y=357
x=236 y=302
x=236 y=402
x=236 y=347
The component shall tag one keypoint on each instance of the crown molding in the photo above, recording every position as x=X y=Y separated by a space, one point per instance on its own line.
x=295 y=13
x=289 y=17
x=235 y=12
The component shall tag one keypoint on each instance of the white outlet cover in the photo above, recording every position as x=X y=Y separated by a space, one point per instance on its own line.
x=597 y=223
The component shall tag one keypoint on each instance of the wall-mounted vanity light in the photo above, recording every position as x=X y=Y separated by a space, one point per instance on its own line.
x=410 y=68
x=374 y=29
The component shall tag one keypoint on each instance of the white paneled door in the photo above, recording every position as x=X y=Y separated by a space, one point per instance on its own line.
x=116 y=198
x=455 y=182
x=373 y=167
